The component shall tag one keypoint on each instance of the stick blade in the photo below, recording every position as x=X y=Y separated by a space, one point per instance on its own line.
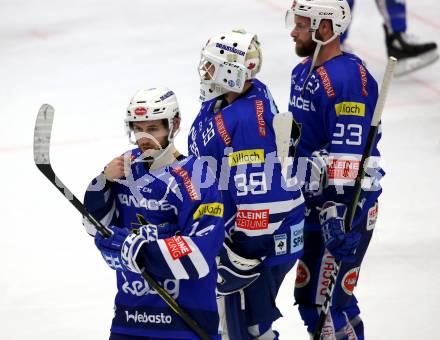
x=42 y=132
x=282 y=125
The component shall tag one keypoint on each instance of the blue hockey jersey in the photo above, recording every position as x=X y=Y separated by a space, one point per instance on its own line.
x=264 y=216
x=334 y=107
x=181 y=257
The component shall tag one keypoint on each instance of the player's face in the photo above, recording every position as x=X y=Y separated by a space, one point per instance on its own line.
x=206 y=70
x=150 y=135
x=304 y=45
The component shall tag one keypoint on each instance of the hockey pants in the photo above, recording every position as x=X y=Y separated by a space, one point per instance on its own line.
x=312 y=279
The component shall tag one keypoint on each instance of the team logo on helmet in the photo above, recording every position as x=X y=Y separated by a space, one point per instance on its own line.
x=140 y=111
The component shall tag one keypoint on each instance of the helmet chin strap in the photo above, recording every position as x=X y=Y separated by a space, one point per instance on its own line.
x=319 y=44
x=166 y=157
x=163 y=156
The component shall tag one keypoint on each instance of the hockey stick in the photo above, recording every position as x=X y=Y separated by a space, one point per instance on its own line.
x=42 y=134
x=287 y=132
x=357 y=189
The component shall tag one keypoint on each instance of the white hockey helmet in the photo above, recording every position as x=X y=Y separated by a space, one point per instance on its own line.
x=338 y=11
x=227 y=61
x=152 y=104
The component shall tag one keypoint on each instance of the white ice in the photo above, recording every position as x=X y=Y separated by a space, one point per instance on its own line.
x=87 y=58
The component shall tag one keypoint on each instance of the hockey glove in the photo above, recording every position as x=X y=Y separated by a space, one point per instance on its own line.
x=340 y=244
x=122 y=247
x=316 y=182
x=234 y=272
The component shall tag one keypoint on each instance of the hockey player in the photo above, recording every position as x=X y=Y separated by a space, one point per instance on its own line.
x=162 y=222
x=411 y=55
x=264 y=216
x=333 y=97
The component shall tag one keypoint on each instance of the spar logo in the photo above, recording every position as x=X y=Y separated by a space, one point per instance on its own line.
x=255 y=156
x=350 y=109
x=177 y=247
x=302 y=275
x=252 y=219
x=148 y=318
x=349 y=280
x=212 y=209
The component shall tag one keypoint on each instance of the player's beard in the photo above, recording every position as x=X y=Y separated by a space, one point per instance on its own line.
x=305 y=49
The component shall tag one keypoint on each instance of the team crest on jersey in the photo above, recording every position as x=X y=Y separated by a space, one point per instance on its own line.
x=302 y=275
x=349 y=280
x=326 y=82
x=255 y=156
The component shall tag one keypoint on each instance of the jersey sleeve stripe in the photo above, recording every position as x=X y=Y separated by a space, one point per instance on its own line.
x=175 y=266
x=106 y=220
x=274 y=207
x=197 y=258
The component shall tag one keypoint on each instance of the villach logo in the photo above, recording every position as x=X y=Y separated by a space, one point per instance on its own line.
x=148 y=318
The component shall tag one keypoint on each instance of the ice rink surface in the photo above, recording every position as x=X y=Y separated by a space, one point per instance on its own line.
x=87 y=58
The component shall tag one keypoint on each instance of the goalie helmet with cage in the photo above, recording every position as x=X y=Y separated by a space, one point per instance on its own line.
x=337 y=11
x=227 y=61
x=152 y=104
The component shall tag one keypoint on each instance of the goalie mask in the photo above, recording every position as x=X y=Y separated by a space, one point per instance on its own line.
x=156 y=104
x=337 y=11
x=227 y=61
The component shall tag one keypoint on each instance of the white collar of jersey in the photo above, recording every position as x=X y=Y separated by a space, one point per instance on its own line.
x=167 y=157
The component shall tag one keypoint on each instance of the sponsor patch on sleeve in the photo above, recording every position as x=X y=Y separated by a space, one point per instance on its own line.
x=280 y=244
x=343 y=169
x=297 y=238
x=326 y=83
x=255 y=156
x=177 y=247
x=189 y=186
x=364 y=80
x=350 y=109
x=252 y=219
x=212 y=209
x=221 y=128
x=259 y=111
